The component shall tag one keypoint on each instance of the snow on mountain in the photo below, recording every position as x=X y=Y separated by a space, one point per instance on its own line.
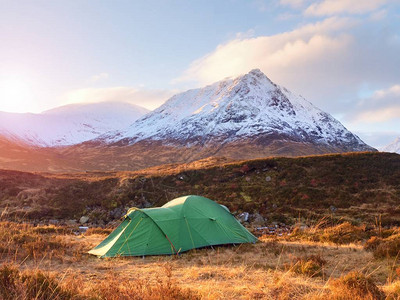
x=232 y=109
x=393 y=147
x=69 y=124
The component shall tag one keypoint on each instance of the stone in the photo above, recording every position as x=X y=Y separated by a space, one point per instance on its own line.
x=71 y=222
x=116 y=213
x=268 y=178
x=258 y=219
x=54 y=222
x=244 y=217
x=83 y=219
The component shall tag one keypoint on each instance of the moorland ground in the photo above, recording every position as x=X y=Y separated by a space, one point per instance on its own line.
x=341 y=262
x=356 y=187
x=342 y=211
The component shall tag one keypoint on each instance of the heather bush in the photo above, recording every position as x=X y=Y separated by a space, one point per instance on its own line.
x=354 y=286
x=311 y=266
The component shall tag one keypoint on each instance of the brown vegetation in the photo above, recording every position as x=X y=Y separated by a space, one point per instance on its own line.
x=356 y=187
x=50 y=262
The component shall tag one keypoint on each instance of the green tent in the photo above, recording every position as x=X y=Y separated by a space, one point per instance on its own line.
x=180 y=225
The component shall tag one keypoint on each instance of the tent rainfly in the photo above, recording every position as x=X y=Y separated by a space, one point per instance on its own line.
x=182 y=224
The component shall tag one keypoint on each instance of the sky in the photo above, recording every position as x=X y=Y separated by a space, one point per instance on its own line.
x=342 y=55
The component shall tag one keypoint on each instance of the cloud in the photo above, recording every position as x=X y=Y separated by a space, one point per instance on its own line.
x=382 y=106
x=268 y=52
x=327 y=61
x=333 y=7
x=99 y=77
x=293 y=3
x=378 y=139
x=147 y=98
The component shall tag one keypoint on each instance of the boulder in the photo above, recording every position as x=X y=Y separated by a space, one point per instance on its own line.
x=258 y=219
x=83 y=219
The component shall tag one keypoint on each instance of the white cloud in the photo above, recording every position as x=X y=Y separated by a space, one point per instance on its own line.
x=149 y=99
x=382 y=106
x=327 y=62
x=270 y=53
x=333 y=7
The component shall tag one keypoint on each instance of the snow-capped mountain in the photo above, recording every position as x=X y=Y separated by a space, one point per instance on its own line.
x=69 y=124
x=393 y=147
x=250 y=107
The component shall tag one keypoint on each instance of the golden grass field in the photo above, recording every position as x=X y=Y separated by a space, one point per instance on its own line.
x=48 y=262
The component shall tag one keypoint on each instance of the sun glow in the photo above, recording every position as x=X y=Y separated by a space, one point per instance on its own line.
x=15 y=95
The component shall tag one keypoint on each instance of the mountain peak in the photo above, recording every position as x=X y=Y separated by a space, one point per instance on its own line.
x=393 y=147
x=256 y=72
x=255 y=79
x=247 y=108
x=69 y=124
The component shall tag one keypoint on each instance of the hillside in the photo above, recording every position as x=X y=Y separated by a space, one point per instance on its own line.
x=356 y=186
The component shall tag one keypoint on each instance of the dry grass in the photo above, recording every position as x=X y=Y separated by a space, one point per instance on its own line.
x=41 y=261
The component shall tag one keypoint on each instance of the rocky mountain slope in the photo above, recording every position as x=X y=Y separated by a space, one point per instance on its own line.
x=69 y=124
x=242 y=118
x=250 y=108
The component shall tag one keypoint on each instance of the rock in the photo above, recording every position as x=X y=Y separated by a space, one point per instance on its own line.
x=244 y=217
x=83 y=219
x=71 y=222
x=268 y=178
x=116 y=213
x=258 y=219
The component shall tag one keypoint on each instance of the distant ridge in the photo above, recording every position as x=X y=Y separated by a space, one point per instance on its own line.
x=69 y=124
x=393 y=146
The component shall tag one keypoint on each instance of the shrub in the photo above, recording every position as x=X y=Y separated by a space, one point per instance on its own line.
x=9 y=276
x=372 y=243
x=389 y=247
x=355 y=285
x=38 y=285
x=392 y=290
x=309 y=265
x=31 y=285
x=344 y=233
